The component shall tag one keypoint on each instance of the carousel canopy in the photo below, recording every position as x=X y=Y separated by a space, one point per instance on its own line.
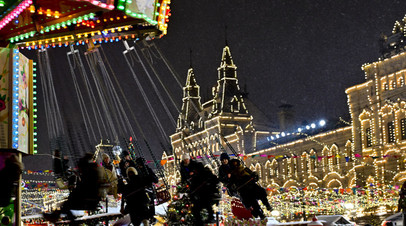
x=55 y=22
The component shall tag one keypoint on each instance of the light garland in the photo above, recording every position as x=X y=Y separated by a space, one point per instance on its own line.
x=14 y=13
x=57 y=26
x=163 y=15
x=86 y=38
x=14 y=99
x=47 y=12
x=35 y=108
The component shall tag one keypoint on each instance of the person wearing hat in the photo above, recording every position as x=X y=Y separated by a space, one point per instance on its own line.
x=203 y=188
x=225 y=173
x=86 y=195
x=125 y=163
x=188 y=167
x=148 y=177
x=110 y=175
x=135 y=200
x=243 y=181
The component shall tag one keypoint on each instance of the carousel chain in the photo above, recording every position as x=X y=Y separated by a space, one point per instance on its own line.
x=54 y=119
x=155 y=89
x=101 y=95
x=148 y=103
x=82 y=103
x=168 y=93
x=113 y=100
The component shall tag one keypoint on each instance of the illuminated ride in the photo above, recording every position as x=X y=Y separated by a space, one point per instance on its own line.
x=36 y=23
x=41 y=24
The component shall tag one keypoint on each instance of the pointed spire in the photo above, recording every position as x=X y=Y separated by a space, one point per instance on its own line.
x=228 y=98
x=226 y=59
x=191 y=80
x=191 y=106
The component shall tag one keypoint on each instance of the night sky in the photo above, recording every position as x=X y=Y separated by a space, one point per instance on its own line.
x=299 y=52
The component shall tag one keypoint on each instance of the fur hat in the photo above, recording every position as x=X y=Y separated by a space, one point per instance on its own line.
x=132 y=169
x=185 y=156
x=104 y=156
x=224 y=156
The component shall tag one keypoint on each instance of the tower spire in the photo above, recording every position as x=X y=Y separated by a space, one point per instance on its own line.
x=228 y=98
x=191 y=106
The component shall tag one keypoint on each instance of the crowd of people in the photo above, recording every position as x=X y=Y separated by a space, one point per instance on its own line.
x=132 y=178
x=240 y=182
x=135 y=180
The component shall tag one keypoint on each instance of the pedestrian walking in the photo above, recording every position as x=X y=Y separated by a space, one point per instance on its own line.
x=203 y=192
x=135 y=200
x=243 y=180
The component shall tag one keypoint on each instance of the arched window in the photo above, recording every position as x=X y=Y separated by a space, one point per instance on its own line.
x=348 y=152
x=312 y=161
x=393 y=84
x=273 y=170
x=304 y=166
x=403 y=128
x=368 y=137
x=401 y=82
x=391 y=132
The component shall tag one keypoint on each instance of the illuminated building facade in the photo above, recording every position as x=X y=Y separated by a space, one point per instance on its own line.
x=369 y=150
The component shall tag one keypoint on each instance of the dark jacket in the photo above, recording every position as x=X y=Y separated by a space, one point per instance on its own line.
x=224 y=170
x=9 y=177
x=148 y=176
x=60 y=166
x=124 y=164
x=203 y=183
x=135 y=196
x=186 y=172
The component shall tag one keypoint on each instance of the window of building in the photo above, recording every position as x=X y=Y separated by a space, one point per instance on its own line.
x=403 y=128
x=368 y=136
x=393 y=84
x=391 y=132
x=385 y=86
x=401 y=82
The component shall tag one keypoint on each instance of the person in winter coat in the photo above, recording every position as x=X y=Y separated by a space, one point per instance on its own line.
x=402 y=199
x=204 y=192
x=225 y=173
x=126 y=162
x=110 y=175
x=60 y=164
x=244 y=181
x=149 y=178
x=135 y=199
x=88 y=192
x=9 y=177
